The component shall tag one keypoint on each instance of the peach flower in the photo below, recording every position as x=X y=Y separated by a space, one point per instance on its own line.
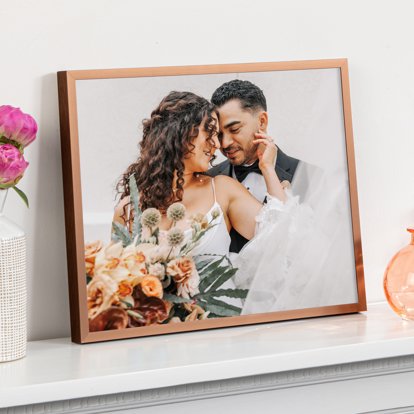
x=196 y=312
x=134 y=261
x=185 y=274
x=109 y=257
x=157 y=269
x=101 y=293
x=125 y=289
x=152 y=287
x=91 y=250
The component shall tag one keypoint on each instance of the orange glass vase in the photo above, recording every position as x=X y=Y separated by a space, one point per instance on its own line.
x=399 y=281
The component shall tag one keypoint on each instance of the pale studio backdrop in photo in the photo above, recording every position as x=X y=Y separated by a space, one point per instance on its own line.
x=305 y=120
x=45 y=36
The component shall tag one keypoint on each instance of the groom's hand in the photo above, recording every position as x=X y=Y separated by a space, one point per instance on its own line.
x=266 y=150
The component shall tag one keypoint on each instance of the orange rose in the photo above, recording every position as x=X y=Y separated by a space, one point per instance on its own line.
x=91 y=250
x=124 y=289
x=196 y=312
x=180 y=269
x=185 y=274
x=152 y=287
x=101 y=293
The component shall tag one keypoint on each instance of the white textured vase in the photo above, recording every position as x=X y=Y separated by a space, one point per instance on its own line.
x=13 y=325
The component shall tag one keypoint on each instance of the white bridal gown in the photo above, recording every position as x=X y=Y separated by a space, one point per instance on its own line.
x=216 y=242
x=302 y=254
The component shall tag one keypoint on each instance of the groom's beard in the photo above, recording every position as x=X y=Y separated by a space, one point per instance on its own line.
x=249 y=155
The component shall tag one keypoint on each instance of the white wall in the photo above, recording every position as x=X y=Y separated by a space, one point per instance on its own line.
x=40 y=37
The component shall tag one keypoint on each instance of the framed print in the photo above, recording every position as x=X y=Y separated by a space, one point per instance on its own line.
x=200 y=197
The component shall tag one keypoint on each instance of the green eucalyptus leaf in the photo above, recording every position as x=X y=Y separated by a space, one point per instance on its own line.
x=134 y=197
x=134 y=314
x=202 y=264
x=210 y=268
x=221 y=310
x=121 y=233
x=230 y=293
x=217 y=302
x=224 y=277
x=175 y=299
x=127 y=304
x=207 y=278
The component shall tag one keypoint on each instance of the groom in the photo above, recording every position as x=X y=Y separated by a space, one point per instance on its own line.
x=242 y=112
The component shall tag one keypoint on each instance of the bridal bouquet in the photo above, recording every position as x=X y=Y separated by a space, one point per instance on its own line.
x=17 y=131
x=151 y=277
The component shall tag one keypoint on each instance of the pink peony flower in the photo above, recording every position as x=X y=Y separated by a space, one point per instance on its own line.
x=17 y=126
x=12 y=165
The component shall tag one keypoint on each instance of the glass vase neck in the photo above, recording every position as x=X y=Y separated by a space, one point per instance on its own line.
x=411 y=230
x=3 y=196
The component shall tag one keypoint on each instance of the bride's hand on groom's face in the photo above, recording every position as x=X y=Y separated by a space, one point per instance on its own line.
x=266 y=150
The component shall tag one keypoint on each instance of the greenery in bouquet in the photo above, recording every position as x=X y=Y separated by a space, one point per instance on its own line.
x=146 y=276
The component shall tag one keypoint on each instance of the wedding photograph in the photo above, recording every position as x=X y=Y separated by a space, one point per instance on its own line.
x=213 y=196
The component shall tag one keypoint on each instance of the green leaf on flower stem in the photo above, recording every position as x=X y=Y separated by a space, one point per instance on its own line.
x=175 y=299
x=220 y=308
x=189 y=246
x=134 y=197
x=221 y=303
x=224 y=277
x=134 y=314
x=201 y=265
x=127 y=304
x=22 y=195
x=230 y=293
x=120 y=233
x=133 y=193
x=209 y=279
x=213 y=265
x=211 y=273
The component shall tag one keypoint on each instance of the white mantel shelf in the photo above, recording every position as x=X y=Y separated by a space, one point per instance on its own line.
x=58 y=370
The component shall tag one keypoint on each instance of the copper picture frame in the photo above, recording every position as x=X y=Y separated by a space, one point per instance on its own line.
x=297 y=94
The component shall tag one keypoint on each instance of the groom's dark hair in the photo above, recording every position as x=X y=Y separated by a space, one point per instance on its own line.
x=250 y=96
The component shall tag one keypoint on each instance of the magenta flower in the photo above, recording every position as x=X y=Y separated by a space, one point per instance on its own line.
x=17 y=126
x=12 y=165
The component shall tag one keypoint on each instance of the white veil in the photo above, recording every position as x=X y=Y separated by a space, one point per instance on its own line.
x=302 y=254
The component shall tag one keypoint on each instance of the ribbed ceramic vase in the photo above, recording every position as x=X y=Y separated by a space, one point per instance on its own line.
x=13 y=326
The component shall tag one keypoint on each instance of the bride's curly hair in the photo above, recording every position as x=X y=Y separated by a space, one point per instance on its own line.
x=167 y=141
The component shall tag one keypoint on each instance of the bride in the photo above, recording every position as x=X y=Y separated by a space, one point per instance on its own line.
x=178 y=146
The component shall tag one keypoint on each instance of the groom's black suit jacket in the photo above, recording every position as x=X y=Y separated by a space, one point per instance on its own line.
x=285 y=169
